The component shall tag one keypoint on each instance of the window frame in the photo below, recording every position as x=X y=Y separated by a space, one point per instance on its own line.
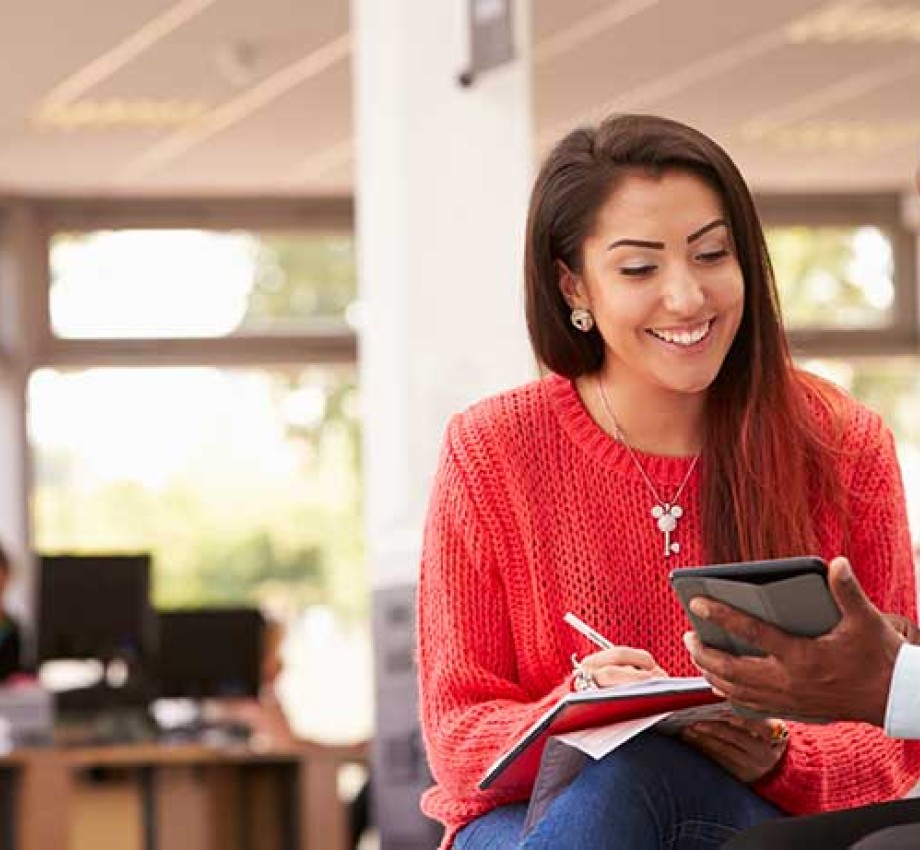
x=321 y=341
x=27 y=341
x=883 y=210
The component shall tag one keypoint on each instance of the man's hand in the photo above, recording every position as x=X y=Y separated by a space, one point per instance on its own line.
x=842 y=675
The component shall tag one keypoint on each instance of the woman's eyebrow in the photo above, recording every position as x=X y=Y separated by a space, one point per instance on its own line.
x=659 y=246
x=719 y=222
x=636 y=243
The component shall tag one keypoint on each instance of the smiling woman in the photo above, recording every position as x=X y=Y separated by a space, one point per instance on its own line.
x=673 y=430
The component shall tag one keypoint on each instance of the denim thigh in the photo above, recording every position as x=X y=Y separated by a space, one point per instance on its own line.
x=653 y=793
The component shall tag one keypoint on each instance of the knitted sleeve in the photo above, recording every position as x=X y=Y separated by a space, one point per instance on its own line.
x=852 y=764
x=471 y=704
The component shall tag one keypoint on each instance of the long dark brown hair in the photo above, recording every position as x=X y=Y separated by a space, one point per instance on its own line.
x=764 y=455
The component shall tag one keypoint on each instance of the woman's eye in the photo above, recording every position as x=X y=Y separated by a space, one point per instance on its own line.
x=712 y=256
x=637 y=271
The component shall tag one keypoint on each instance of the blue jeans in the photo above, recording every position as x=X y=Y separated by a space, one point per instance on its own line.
x=653 y=793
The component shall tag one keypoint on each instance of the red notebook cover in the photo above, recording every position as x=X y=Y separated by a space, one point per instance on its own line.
x=583 y=710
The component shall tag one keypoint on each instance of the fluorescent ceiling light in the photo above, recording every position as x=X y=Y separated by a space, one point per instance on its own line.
x=116 y=113
x=834 y=136
x=864 y=25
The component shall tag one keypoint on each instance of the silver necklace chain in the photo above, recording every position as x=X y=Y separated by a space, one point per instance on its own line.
x=665 y=512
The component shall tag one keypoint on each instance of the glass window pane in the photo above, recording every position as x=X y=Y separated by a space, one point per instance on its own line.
x=833 y=277
x=245 y=486
x=196 y=283
x=890 y=386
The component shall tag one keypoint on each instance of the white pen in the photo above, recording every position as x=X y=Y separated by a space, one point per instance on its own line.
x=587 y=631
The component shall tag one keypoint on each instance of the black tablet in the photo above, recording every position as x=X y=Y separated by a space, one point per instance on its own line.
x=790 y=593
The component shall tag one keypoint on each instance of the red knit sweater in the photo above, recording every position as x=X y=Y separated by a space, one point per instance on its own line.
x=536 y=511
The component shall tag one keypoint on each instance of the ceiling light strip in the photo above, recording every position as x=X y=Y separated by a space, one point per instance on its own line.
x=847 y=137
x=843 y=25
x=108 y=63
x=241 y=106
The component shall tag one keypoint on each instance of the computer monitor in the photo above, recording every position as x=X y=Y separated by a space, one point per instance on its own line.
x=209 y=652
x=95 y=606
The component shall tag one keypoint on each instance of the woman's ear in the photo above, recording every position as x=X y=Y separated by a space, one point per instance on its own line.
x=571 y=286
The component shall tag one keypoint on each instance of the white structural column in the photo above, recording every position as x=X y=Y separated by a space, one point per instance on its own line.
x=442 y=179
x=443 y=174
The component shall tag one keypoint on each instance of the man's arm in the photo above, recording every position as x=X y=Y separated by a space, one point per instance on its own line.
x=843 y=675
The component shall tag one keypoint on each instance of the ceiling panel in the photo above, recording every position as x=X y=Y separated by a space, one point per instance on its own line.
x=728 y=68
x=306 y=121
x=633 y=64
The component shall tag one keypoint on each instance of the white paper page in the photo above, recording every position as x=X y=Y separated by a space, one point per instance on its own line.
x=601 y=740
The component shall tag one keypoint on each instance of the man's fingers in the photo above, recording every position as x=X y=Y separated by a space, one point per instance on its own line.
x=749 y=629
x=723 y=670
x=707 y=658
x=847 y=592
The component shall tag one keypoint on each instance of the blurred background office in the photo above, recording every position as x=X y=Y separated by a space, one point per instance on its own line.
x=253 y=256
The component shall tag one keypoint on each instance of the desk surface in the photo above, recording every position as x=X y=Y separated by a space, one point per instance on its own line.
x=49 y=773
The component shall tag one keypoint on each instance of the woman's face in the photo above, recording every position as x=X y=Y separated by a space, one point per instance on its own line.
x=662 y=281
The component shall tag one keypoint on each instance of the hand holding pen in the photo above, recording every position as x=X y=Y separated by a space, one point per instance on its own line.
x=613 y=665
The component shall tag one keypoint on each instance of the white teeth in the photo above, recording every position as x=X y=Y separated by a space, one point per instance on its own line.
x=684 y=337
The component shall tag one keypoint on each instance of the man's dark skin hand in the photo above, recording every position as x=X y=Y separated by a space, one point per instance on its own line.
x=842 y=675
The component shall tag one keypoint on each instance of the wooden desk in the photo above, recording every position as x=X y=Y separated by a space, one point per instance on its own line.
x=177 y=797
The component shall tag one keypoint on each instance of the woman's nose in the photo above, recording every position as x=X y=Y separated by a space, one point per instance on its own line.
x=683 y=295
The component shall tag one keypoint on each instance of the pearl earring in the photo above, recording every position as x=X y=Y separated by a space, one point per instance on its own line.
x=582 y=319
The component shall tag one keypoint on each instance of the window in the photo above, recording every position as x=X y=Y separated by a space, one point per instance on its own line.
x=846 y=271
x=244 y=484
x=891 y=387
x=166 y=283
x=190 y=387
x=833 y=277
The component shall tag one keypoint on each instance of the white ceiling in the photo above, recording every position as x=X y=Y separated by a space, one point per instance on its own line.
x=805 y=94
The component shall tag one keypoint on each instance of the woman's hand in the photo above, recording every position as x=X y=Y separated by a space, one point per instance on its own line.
x=620 y=665
x=747 y=749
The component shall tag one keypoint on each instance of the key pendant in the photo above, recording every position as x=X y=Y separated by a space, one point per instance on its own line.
x=667 y=516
